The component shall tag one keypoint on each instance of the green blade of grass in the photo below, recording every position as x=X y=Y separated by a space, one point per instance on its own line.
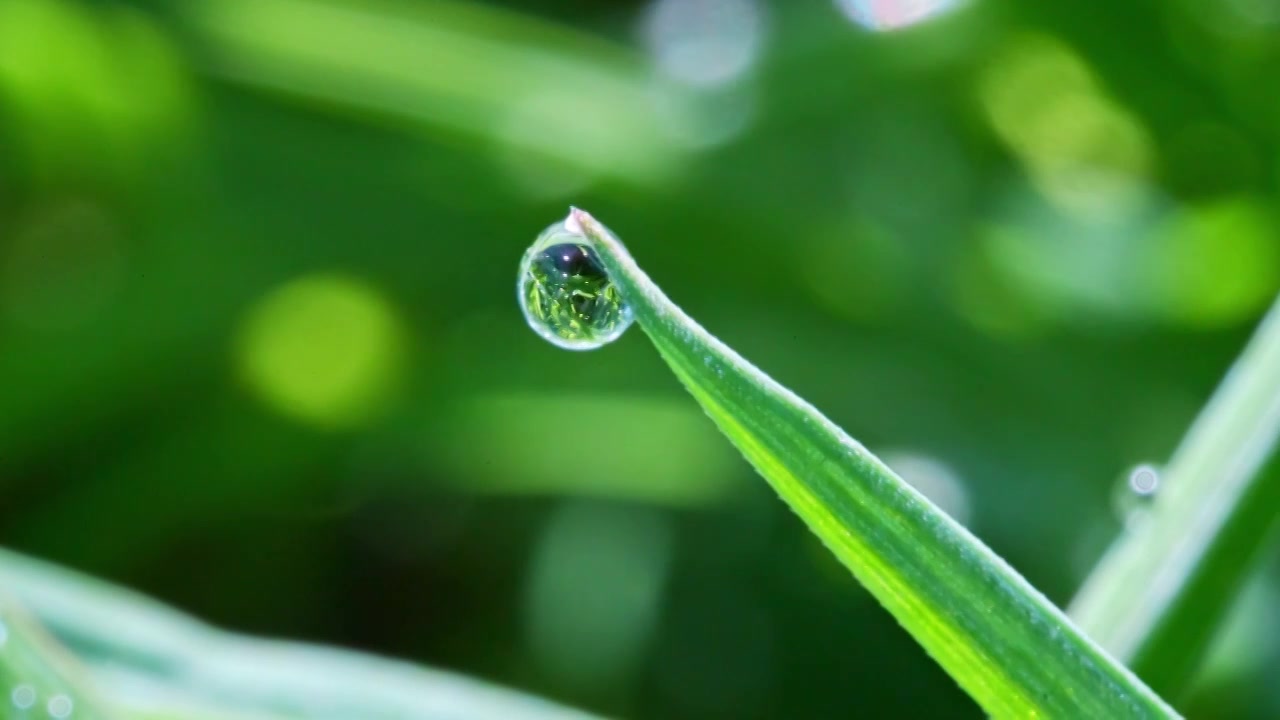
x=1161 y=590
x=474 y=69
x=38 y=677
x=150 y=660
x=1000 y=639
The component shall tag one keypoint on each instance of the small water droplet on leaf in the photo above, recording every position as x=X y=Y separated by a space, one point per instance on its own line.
x=1144 y=480
x=1134 y=494
x=566 y=295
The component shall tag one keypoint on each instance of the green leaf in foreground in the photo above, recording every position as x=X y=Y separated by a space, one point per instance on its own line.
x=1002 y=641
x=150 y=661
x=1160 y=592
x=38 y=677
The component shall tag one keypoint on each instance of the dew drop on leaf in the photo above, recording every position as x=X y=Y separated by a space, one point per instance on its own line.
x=1134 y=493
x=1144 y=480
x=566 y=295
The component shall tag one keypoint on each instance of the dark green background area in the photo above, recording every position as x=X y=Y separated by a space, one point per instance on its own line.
x=260 y=352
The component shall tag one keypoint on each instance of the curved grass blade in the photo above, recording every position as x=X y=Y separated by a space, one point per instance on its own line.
x=38 y=677
x=1159 y=594
x=153 y=661
x=1000 y=639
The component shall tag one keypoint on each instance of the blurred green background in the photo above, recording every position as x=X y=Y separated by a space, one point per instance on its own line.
x=260 y=353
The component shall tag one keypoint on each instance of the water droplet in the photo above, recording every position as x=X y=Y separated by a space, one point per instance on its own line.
x=23 y=697
x=1133 y=495
x=565 y=293
x=1144 y=480
x=4 y=634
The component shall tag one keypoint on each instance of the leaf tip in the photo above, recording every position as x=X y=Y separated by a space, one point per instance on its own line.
x=573 y=223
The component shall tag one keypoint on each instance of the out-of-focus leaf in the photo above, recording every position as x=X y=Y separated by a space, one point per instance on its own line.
x=38 y=677
x=472 y=69
x=149 y=658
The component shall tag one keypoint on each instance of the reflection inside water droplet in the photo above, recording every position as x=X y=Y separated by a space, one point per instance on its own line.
x=565 y=294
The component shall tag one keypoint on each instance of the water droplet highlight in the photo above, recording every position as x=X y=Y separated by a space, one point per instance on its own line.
x=565 y=293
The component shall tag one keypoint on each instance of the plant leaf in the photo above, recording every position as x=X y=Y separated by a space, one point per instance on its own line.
x=369 y=57
x=152 y=661
x=1000 y=639
x=1158 y=595
x=37 y=675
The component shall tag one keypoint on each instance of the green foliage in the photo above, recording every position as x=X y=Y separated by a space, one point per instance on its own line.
x=1011 y=649
x=150 y=661
x=259 y=354
x=1157 y=598
x=39 y=678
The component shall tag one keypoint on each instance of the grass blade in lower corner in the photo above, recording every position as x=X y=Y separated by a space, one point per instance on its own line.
x=1157 y=597
x=151 y=661
x=1015 y=653
x=38 y=677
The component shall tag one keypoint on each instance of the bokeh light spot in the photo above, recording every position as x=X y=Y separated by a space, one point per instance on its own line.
x=1084 y=152
x=89 y=90
x=704 y=43
x=1063 y=266
x=698 y=119
x=59 y=707
x=1215 y=265
x=594 y=591
x=521 y=128
x=1063 y=276
x=636 y=448
x=23 y=697
x=883 y=15
x=324 y=349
